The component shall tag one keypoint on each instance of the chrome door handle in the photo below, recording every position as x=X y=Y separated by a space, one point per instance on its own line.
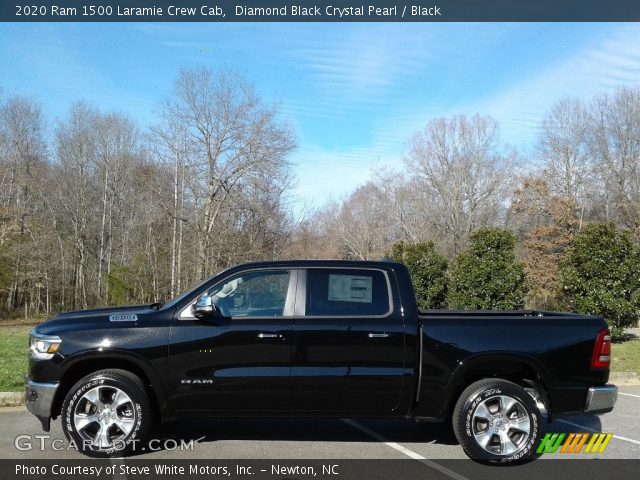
x=269 y=335
x=378 y=335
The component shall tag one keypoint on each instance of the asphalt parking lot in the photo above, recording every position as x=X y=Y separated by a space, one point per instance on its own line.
x=322 y=438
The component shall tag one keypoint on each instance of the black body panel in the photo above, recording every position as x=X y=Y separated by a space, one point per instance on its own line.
x=557 y=347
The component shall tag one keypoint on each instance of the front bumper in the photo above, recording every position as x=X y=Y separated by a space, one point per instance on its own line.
x=601 y=399
x=39 y=399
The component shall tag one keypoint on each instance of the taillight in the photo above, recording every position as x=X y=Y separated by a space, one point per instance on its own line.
x=602 y=350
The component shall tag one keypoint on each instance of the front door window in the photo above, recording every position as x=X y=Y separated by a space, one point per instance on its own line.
x=252 y=294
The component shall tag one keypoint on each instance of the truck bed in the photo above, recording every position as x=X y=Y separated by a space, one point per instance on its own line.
x=554 y=348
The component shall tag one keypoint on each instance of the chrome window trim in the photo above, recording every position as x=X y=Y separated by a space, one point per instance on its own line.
x=302 y=292
x=287 y=311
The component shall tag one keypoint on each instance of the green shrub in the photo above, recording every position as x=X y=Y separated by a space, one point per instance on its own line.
x=428 y=272
x=487 y=276
x=601 y=276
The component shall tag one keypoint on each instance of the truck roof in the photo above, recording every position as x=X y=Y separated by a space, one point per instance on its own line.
x=320 y=263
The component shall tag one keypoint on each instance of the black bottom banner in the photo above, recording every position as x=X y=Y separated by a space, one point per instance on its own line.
x=201 y=469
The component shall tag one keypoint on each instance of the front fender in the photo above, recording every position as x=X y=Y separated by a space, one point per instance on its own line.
x=84 y=362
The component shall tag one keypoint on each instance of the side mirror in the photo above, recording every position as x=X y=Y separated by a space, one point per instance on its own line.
x=203 y=308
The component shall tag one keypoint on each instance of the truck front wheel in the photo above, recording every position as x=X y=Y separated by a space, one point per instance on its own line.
x=106 y=413
x=497 y=421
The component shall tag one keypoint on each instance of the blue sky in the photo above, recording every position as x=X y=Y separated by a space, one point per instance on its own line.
x=354 y=93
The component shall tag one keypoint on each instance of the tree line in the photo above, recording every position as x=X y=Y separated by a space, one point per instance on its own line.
x=598 y=275
x=459 y=179
x=96 y=209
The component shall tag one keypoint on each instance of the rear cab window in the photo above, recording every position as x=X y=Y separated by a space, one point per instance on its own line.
x=347 y=292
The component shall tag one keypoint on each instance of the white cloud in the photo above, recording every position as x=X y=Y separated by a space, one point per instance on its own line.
x=606 y=62
x=359 y=65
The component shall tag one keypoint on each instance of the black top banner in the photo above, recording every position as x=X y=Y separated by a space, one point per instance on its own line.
x=320 y=11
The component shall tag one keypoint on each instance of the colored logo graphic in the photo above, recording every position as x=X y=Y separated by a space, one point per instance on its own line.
x=574 y=442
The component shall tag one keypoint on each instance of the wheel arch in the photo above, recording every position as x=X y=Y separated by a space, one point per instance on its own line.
x=89 y=362
x=518 y=368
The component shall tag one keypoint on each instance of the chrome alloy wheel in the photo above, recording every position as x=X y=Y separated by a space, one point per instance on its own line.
x=104 y=416
x=501 y=425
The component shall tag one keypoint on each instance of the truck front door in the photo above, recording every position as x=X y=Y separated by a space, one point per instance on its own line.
x=240 y=359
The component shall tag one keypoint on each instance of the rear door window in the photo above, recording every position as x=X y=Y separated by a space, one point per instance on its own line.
x=347 y=292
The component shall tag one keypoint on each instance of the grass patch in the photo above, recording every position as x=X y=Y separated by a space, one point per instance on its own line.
x=14 y=357
x=625 y=356
x=21 y=321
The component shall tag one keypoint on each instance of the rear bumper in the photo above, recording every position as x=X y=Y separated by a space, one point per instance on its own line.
x=39 y=400
x=601 y=399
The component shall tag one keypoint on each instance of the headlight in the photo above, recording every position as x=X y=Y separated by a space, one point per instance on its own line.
x=43 y=347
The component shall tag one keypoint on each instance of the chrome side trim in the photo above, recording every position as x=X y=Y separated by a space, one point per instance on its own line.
x=601 y=399
x=39 y=397
x=42 y=336
x=419 y=362
x=378 y=335
x=269 y=335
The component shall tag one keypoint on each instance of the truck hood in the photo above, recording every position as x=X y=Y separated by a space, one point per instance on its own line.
x=104 y=312
x=96 y=318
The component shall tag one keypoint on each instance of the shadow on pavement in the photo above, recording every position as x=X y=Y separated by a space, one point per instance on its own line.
x=332 y=430
x=302 y=430
x=587 y=422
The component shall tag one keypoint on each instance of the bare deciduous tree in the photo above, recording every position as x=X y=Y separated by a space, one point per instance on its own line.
x=99 y=210
x=463 y=176
x=24 y=163
x=563 y=147
x=234 y=137
x=77 y=151
x=615 y=144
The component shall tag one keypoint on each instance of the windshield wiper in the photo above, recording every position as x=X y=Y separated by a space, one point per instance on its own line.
x=156 y=305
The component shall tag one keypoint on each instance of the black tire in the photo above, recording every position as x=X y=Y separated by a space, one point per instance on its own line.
x=504 y=432
x=111 y=431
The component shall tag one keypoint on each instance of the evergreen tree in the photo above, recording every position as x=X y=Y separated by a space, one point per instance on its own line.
x=600 y=276
x=428 y=271
x=487 y=275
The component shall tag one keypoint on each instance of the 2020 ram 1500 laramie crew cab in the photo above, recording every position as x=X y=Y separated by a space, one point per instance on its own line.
x=316 y=338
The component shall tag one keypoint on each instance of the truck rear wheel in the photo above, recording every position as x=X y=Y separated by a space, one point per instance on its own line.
x=497 y=421
x=106 y=413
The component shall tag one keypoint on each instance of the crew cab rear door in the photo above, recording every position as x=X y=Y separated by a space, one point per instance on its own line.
x=348 y=341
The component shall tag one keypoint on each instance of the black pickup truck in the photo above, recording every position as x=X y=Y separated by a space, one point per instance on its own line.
x=316 y=338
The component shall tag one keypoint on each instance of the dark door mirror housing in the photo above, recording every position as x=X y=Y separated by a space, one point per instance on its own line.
x=203 y=308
